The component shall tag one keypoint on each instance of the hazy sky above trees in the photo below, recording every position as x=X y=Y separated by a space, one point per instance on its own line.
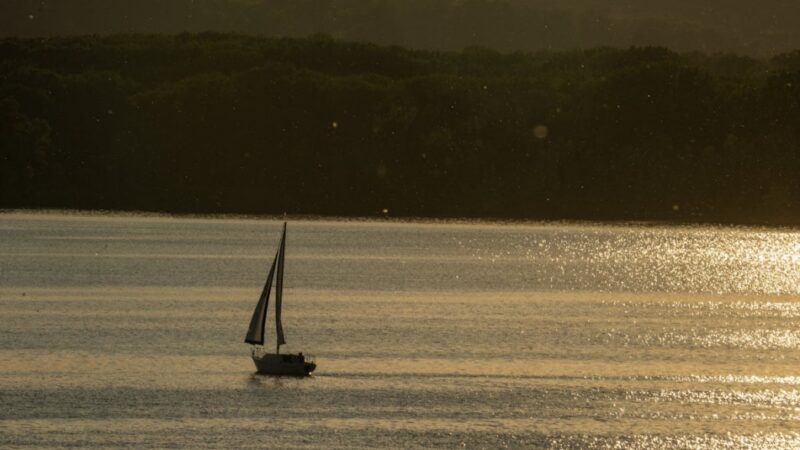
x=762 y=28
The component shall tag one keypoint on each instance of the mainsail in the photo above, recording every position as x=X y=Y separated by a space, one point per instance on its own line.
x=279 y=289
x=255 y=333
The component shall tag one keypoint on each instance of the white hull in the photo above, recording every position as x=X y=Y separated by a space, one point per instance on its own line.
x=284 y=364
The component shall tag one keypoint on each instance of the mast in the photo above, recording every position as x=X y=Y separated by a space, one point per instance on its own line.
x=255 y=333
x=279 y=291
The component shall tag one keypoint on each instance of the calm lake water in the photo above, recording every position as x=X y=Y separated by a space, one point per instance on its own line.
x=127 y=331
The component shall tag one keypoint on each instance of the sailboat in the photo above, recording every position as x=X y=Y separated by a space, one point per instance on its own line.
x=274 y=363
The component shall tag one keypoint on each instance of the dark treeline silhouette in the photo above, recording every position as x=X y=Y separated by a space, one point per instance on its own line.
x=231 y=123
x=765 y=28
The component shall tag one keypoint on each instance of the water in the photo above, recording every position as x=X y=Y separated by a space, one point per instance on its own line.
x=126 y=332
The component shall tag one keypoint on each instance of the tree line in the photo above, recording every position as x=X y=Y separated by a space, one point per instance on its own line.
x=215 y=123
x=506 y=25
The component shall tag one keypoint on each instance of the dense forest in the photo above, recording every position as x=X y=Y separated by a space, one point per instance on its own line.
x=231 y=123
x=762 y=29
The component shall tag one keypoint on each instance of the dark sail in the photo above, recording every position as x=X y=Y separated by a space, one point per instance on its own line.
x=255 y=333
x=279 y=288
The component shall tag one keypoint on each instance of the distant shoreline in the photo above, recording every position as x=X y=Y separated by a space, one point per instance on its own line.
x=215 y=123
x=388 y=219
